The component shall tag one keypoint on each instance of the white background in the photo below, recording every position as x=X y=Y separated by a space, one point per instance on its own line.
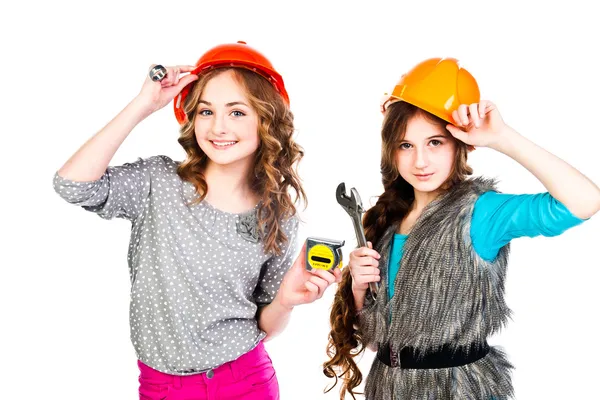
x=69 y=67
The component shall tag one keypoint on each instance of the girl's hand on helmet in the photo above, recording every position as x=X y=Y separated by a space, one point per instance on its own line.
x=478 y=124
x=364 y=267
x=155 y=95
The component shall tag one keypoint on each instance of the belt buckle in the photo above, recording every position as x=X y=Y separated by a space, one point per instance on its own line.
x=394 y=357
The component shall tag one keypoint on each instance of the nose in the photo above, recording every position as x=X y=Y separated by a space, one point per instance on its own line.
x=218 y=124
x=422 y=158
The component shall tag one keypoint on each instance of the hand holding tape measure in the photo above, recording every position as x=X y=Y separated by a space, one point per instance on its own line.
x=315 y=269
x=324 y=254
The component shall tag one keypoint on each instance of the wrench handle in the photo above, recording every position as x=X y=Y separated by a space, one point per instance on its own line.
x=360 y=232
x=373 y=287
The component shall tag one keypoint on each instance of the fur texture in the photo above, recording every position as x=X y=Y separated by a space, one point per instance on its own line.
x=444 y=294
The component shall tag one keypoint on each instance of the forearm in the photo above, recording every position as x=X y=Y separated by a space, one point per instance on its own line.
x=91 y=160
x=359 y=303
x=565 y=183
x=359 y=298
x=273 y=318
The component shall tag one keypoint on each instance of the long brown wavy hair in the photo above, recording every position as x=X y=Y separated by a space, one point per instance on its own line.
x=276 y=159
x=345 y=341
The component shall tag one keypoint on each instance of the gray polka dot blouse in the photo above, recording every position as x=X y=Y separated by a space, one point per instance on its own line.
x=198 y=274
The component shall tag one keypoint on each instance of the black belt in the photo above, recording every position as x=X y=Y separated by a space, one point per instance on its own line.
x=444 y=357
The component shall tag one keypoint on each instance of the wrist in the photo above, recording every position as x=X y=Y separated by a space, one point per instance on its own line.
x=507 y=139
x=140 y=108
x=359 y=290
x=282 y=304
x=359 y=295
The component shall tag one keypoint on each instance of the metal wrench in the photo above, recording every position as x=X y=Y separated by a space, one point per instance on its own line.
x=354 y=208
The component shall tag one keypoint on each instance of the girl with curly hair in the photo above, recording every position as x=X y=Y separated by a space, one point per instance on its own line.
x=211 y=254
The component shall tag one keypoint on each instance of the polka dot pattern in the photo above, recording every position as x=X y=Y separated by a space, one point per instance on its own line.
x=196 y=280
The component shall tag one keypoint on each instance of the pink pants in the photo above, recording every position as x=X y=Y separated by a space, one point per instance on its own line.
x=251 y=376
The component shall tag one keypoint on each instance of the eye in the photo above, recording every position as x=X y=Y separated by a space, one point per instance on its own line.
x=205 y=112
x=436 y=143
x=237 y=113
x=405 y=146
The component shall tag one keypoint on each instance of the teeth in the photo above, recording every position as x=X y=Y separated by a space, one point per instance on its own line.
x=223 y=144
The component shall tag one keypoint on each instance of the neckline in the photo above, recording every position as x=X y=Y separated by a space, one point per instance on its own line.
x=231 y=214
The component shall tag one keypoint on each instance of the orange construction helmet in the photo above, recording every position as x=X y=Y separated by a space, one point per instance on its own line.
x=231 y=55
x=436 y=85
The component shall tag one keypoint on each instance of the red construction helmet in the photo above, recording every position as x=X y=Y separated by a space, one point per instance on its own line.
x=232 y=55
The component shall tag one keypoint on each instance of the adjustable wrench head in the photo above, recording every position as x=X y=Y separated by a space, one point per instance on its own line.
x=352 y=203
x=355 y=200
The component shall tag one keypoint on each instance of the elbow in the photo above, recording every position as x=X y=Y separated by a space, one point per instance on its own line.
x=268 y=337
x=270 y=333
x=590 y=208
x=593 y=211
x=584 y=204
x=90 y=193
x=59 y=185
x=263 y=325
x=56 y=182
x=596 y=207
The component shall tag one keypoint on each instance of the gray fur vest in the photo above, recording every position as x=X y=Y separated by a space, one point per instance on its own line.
x=444 y=294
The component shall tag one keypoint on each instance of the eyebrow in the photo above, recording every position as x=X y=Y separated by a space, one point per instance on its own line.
x=233 y=103
x=430 y=137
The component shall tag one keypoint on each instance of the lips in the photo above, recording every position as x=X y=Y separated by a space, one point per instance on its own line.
x=423 y=177
x=222 y=144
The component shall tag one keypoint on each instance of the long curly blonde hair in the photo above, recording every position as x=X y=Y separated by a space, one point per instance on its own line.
x=276 y=159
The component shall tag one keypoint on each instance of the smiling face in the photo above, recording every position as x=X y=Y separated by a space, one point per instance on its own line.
x=425 y=155
x=226 y=126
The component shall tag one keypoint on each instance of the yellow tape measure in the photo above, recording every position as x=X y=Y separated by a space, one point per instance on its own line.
x=323 y=254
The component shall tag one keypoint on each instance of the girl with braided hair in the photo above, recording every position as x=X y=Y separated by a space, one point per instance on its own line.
x=441 y=245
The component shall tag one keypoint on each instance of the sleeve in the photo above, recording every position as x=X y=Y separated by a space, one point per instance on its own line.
x=274 y=268
x=121 y=192
x=499 y=218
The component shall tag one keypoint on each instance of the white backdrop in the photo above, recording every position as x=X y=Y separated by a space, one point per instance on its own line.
x=69 y=67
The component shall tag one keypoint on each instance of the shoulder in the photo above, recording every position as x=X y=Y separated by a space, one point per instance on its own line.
x=290 y=224
x=461 y=197
x=481 y=185
x=162 y=163
x=160 y=166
